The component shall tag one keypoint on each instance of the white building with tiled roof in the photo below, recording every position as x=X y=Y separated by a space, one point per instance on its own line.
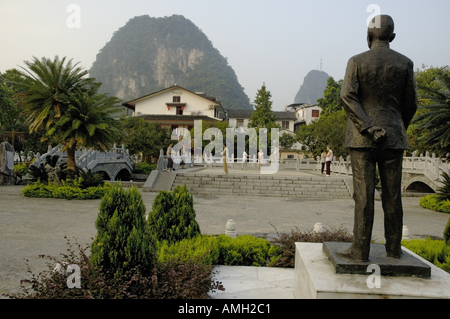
x=176 y=107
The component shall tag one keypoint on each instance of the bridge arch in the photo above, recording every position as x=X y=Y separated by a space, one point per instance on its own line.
x=124 y=174
x=105 y=175
x=420 y=184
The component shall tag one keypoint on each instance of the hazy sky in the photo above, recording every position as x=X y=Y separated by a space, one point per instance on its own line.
x=276 y=42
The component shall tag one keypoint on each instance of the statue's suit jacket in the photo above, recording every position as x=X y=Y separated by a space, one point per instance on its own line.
x=379 y=89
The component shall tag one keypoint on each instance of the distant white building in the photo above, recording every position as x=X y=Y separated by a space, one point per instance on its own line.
x=305 y=113
x=240 y=118
x=176 y=108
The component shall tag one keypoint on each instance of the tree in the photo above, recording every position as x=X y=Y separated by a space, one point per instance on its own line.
x=331 y=127
x=58 y=98
x=122 y=242
x=431 y=125
x=9 y=112
x=173 y=216
x=88 y=123
x=262 y=116
x=328 y=130
x=287 y=140
x=331 y=102
x=11 y=118
x=49 y=88
x=144 y=137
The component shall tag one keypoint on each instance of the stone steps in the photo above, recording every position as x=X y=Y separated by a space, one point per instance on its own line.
x=264 y=185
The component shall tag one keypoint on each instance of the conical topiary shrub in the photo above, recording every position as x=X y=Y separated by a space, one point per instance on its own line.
x=447 y=233
x=173 y=216
x=122 y=242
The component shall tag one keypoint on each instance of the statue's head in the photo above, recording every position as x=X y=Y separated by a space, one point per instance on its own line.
x=381 y=29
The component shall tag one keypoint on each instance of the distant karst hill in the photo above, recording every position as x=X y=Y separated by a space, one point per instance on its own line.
x=150 y=54
x=312 y=88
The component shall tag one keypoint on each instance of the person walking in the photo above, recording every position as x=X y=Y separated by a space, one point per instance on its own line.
x=323 y=160
x=244 y=156
x=169 y=158
x=329 y=159
x=224 y=154
x=260 y=158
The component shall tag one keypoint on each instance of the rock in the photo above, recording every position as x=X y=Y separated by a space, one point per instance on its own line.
x=7 y=174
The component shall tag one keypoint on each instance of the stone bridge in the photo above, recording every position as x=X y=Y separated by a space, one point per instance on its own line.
x=420 y=173
x=115 y=164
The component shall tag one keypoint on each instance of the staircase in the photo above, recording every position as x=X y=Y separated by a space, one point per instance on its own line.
x=264 y=185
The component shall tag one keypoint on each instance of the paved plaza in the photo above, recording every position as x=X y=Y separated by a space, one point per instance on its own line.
x=30 y=227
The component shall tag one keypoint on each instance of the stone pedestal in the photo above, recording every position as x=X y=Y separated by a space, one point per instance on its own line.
x=406 y=266
x=316 y=278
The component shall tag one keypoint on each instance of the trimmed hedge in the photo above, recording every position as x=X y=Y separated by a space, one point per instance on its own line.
x=243 y=250
x=65 y=191
x=435 y=251
x=432 y=202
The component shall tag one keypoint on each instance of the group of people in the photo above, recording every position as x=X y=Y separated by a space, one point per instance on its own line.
x=183 y=155
x=224 y=153
x=244 y=157
x=326 y=157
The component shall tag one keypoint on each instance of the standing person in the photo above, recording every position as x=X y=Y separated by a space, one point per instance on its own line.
x=244 y=156
x=224 y=154
x=260 y=158
x=329 y=159
x=380 y=97
x=169 y=158
x=182 y=156
x=323 y=159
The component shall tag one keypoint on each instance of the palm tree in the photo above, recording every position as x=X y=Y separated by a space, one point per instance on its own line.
x=434 y=120
x=89 y=123
x=49 y=87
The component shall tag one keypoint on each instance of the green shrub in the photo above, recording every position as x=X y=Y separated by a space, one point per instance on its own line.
x=38 y=173
x=144 y=168
x=244 y=250
x=21 y=169
x=172 y=279
x=432 y=202
x=39 y=190
x=202 y=248
x=122 y=242
x=447 y=233
x=173 y=216
x=67 y=190
x=435 y=251
x=443 y=192
x=90 y=179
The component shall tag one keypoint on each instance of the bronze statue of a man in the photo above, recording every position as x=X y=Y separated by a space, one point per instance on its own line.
x=380 y=98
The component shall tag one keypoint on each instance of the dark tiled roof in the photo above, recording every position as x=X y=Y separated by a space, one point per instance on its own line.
x=239 y=113
x=248 y=114
x=285 y=115
x=131 y=104
x=168 y=117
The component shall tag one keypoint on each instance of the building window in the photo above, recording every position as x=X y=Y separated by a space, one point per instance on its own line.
x=174 y=130
x=285 y=125
x=180 y=110
x=315 y=113
x=176 y=99
x=239 y=123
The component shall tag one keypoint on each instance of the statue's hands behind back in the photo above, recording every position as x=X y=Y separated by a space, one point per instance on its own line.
x=377 y=133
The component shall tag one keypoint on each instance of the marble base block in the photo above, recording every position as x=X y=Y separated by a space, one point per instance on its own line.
x=316 y=278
